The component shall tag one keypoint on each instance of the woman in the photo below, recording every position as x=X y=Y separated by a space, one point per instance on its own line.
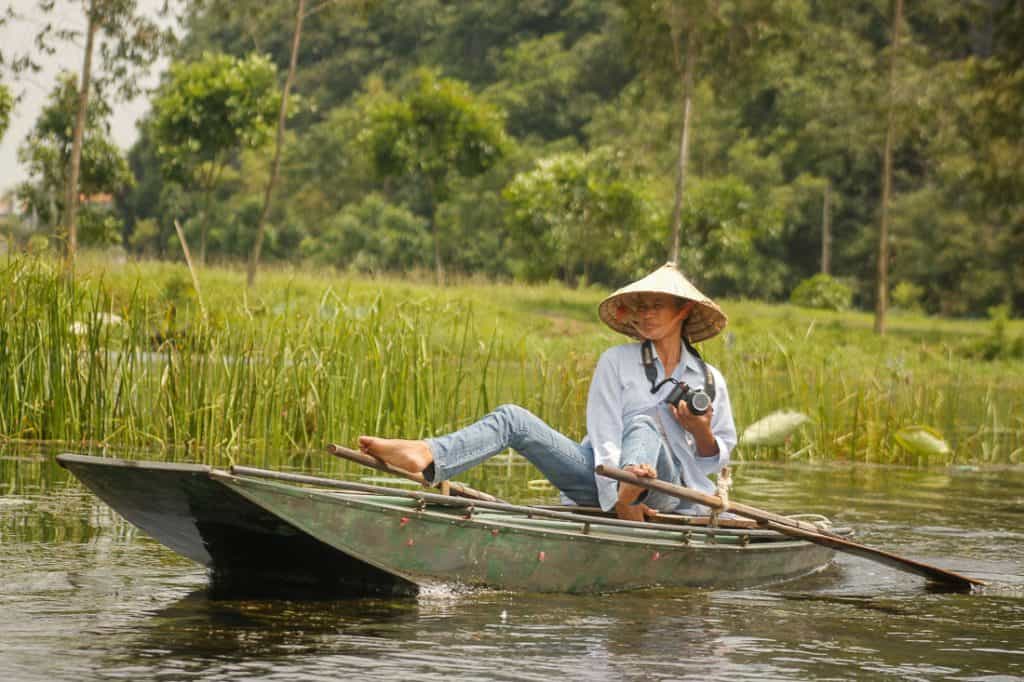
x=629 y=424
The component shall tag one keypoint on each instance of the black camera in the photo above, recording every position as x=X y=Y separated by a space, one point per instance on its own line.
x=697 y=400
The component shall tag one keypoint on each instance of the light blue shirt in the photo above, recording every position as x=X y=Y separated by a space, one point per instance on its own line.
x=620 y=390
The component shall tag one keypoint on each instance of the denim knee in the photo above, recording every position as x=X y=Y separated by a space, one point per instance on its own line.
x=641 y=441
x=641 y=427
x=514 y=416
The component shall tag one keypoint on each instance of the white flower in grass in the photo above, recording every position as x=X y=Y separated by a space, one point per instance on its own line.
x=773 y=429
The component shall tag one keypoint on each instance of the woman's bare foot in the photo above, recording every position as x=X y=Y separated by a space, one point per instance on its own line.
x=411 y=455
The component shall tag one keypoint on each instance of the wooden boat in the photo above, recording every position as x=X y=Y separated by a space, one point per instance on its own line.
x=264 y=533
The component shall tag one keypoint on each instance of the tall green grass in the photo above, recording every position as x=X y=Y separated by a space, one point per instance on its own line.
x=245 y=379
x=308 y=358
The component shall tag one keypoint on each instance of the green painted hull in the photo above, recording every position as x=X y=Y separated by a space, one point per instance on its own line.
x=425 y=544
x=249 y=552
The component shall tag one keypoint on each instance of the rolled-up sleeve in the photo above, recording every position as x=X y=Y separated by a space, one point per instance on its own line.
x=604 y=424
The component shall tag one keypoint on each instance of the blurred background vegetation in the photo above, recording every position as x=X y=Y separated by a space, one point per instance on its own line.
x=540 y=141
x=530 y=156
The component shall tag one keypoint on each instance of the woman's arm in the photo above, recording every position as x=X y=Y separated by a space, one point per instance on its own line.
x=604 y=424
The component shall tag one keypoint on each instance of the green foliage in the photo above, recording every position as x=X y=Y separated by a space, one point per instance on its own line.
x=790 y=97
x=38 y=244
x=725 y=229
x=998 y=343
x=372 y=236
x=907 y=296
x=210 y=108
x=540 y=85
x=437 y=133
x=439 y=129
x=46 y=152
x=145 y=238
x=573 y=214
x=6 y=107
x=923 y=442
x=823 y=292
x=99 y=227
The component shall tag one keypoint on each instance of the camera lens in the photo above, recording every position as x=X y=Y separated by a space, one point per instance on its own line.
x=699 y=402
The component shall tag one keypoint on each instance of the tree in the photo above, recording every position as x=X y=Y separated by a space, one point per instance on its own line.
x=128 y=41
x=208 y=110
x=438 y=131
x=882 y=281
x=979 y=157
x=275 y=166
x=721 y=33
x=372 y=235
x=6 y=106
x=48 y=148
x=572 y=215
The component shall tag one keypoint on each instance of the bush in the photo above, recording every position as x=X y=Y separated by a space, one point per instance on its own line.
x=145 y=239
x=907 y=296
x=822 y=291
x=38 y=243
x=372 y=235
x=997 y=344
x=97 y=227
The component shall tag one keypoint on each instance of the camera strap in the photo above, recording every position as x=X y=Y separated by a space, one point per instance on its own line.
x=647 y=355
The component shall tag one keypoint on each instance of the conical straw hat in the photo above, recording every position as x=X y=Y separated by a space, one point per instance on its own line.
x=704 y=321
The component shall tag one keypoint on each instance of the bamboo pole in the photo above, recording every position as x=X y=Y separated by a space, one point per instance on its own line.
x=188 y=261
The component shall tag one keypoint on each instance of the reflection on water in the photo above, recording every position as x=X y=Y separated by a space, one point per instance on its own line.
x=85 y=596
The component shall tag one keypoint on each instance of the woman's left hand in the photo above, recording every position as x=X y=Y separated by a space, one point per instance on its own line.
x=699 y=425
x=690 y=421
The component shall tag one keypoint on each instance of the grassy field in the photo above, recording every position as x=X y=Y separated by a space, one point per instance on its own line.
x=125 y=356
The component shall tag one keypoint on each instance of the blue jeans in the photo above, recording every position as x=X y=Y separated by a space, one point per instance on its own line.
x=567 y=464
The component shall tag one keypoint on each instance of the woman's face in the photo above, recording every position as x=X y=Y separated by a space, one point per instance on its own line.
x=657 y=316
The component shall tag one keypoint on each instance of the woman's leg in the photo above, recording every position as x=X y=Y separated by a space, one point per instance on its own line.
x=642 y=443
x=566 y=463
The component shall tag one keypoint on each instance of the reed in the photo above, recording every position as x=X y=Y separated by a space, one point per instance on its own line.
x=123 y=357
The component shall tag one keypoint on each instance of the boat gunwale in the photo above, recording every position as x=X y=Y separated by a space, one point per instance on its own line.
x=526 y=520
x=681 y=541
x=93 y=460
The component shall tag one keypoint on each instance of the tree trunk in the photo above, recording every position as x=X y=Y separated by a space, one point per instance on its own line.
x=684 y=138
x=434 y=185
x=882 y=294
x=275 y=166
x=75 y=163
x=826 y=230
x=204 y=227
x=438 y=266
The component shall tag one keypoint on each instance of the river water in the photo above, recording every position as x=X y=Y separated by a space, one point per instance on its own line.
x=85 y=596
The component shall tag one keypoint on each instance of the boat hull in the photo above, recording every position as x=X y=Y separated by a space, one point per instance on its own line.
x=427 y=544
x=265 y=538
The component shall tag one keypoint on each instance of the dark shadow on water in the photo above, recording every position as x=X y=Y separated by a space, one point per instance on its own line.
x=197 y=627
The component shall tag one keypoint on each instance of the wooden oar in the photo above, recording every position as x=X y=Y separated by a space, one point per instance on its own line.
x=454 y=487
x=798 y=529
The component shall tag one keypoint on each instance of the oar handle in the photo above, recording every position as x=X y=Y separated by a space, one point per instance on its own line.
x=374 y=463
x=712 y=501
